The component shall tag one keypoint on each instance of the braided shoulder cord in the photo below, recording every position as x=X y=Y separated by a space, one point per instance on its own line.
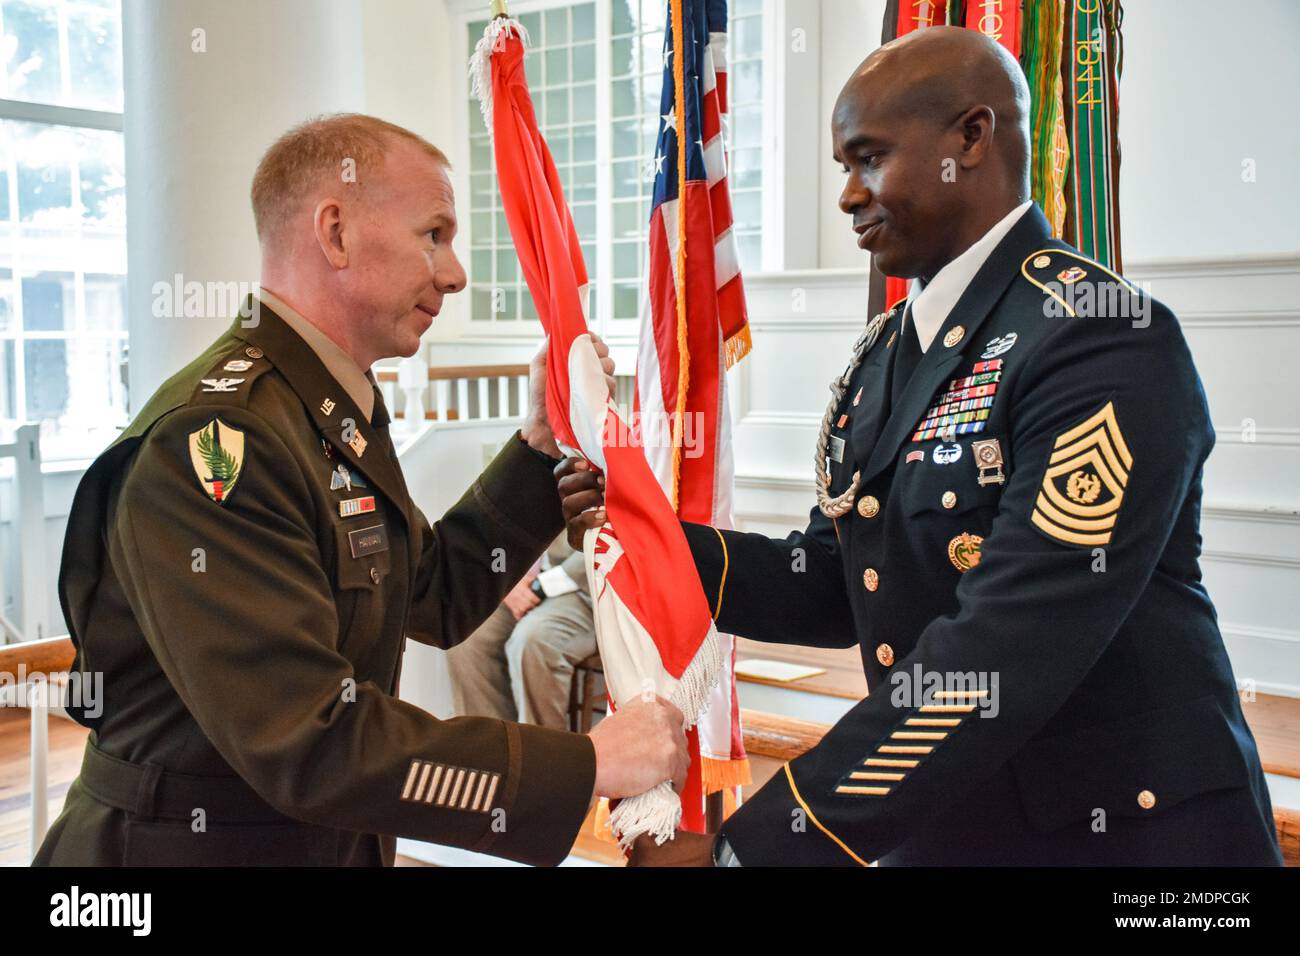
x=839 y=505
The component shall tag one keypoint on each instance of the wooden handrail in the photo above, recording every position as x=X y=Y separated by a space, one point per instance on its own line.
x=53 y=655
x=784 y=738
x=780 y=738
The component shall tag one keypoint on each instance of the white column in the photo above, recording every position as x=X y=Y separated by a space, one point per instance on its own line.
x=208 y=87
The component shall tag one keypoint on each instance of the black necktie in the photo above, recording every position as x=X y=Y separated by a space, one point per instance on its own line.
x=908 y=357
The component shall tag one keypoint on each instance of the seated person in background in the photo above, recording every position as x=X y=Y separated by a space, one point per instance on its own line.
x=519 y=664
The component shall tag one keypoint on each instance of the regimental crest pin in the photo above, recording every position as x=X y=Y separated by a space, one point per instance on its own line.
x=1071 y=275
x=358 y=444
x=217 y=453
x=1083 y=485
x=964 y=551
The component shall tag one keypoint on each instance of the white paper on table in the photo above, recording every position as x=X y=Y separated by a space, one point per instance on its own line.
x=775 y=670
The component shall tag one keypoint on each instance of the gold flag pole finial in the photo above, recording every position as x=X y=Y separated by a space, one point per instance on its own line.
x=499 y=9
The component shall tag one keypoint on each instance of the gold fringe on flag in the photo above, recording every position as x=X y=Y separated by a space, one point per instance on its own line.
x=683 y=343
x=724 y=775
x=738 y=346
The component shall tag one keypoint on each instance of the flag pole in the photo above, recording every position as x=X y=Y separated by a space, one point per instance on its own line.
x=499 y=9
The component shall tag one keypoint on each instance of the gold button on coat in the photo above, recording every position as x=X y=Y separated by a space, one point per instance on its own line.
x=868 y=506
x=1146 y=799
x=870 y=579
x=885 y=654
x=949 y=499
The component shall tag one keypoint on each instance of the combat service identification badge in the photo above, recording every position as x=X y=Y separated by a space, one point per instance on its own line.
x=964 y=551
x=217 y=453
x=1083 y=486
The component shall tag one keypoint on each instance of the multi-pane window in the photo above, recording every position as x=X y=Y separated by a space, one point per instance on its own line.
x=62 y=221
x=564 y=73
x=562 y=78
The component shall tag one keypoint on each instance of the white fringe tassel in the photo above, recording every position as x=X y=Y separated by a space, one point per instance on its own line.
x=480 y=64
x=658 y=811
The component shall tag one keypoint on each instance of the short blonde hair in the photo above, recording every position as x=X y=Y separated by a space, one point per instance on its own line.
x=317 y=149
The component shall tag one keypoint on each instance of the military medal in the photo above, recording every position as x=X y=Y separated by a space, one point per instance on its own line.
x=964 y=551
x=1003 y=343
x=217 y=454
x=988 y=459
x=344 y=478
x=946 y=454
x=356 y=506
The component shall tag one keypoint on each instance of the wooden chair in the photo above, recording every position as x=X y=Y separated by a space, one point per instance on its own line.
x=582 y=694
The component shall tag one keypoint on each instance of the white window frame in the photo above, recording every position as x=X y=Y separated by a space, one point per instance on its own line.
x=458 y=326
x=25 y=111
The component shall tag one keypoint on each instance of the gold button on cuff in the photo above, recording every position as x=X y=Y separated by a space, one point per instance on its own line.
x=870 y=579
x=885 y=654
x=374 y=575
x=1146 y=799
x=868 y=506
x=949 y=500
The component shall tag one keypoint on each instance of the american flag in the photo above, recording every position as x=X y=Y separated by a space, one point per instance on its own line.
x=694 y=325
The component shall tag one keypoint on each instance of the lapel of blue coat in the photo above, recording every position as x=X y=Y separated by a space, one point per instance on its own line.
x=970 y=312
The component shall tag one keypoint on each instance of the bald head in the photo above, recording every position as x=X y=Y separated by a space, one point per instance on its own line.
x=938 y=73
x=933 y=131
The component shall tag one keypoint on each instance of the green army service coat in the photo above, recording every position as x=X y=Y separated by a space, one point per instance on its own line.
x=242 y=566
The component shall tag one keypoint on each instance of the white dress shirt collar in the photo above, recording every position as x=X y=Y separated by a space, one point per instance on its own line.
x=930 y=303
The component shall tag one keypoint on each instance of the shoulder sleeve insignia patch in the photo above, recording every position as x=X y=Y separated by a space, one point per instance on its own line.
x=1084 y=483
x=217 y=454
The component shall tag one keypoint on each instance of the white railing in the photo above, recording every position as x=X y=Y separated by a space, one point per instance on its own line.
x=416 y=394
x=23 y=445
